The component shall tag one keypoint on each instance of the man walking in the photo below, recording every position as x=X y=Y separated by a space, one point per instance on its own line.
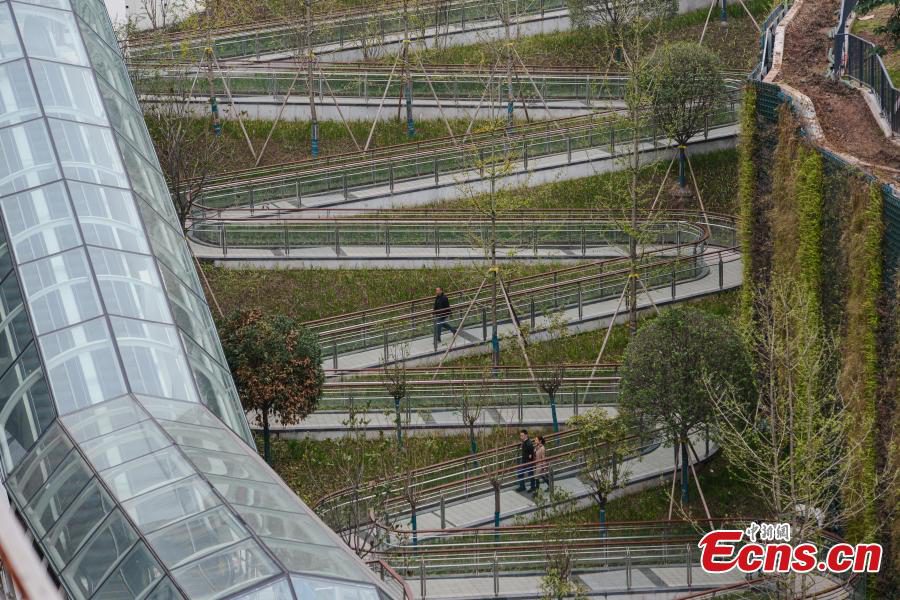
x=527 y=462
x=441 y=314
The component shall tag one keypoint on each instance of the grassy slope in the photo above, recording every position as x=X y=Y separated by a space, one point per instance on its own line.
x=866 y=30
x=583 y=347
x=291 y=139
x=314 y=293
x=726 y=494
x=308 y=294
x=738 y=43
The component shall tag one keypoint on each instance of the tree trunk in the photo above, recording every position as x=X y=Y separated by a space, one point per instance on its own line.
x=495 y=338
x=473 y=444
x=684 y=470
x=553 y=412
x=266 y=443
x=398 y=422
x=632 y=244
x=496 y=485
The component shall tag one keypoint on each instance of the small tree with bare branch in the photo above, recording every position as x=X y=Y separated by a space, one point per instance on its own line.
x=395 y=378
x=189 y=151
x=550 y=379
x=604 y=444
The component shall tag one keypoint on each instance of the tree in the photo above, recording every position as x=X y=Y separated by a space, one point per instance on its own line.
x=667 y=367
x=550 y=379
x=556 y=511
x=686 y=91
x=616 y=15
x=351 y=466
x=798 y=434
x=277 y=367
x=471 y=408
x=604 y=446
x=395 y=383
x=189 y=150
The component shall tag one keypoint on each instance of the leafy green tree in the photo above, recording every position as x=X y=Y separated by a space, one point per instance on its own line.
x=604 y=445
x=687 y=89
x=277 y=367
x=667 y=367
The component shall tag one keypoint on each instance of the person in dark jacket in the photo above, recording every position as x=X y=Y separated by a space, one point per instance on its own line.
x=527 y=462
x=441 y=313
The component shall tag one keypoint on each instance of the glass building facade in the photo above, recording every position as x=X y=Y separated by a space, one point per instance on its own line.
x=123 y=444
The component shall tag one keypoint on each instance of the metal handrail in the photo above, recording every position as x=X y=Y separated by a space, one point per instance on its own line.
x=529 y=282
x=516 y=236
x=565 y=289
x=345 y=29
x=383 y=568
x=554 y=440
x=595 y=546
x=511 y=537
x=866 y=66
x=564 y=457
x=160 y=81
x=435 y=159
x=364 y=390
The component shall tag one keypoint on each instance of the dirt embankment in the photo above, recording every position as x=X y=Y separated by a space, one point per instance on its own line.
x=845 y=118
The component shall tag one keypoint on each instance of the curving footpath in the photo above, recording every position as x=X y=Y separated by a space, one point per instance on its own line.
x=585 y=297
x=452 y=399
x=453 y=548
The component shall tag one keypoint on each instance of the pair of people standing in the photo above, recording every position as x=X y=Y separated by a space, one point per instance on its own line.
x=533 y=461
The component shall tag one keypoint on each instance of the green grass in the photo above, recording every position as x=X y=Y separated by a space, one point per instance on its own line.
x=583 y=347
x=727 y=494
x=737 y=43
x=309 y=466
x=291 y=140
x=716 y=174
x=867 y=30
x=308 y=294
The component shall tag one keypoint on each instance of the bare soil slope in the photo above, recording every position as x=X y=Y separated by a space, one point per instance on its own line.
x=845 y=119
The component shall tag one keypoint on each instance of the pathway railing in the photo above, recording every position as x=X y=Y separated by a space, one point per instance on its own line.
x=865 y=65
x=592 y=548
x=535 y=299
x=363 y=82
x=400 y=589
x=838 y=51
x=355 y=503
x=361 y=28
x=767 y=39
x=522 y=235
x=481 y=475
x=441 y=160
x=475 y=390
